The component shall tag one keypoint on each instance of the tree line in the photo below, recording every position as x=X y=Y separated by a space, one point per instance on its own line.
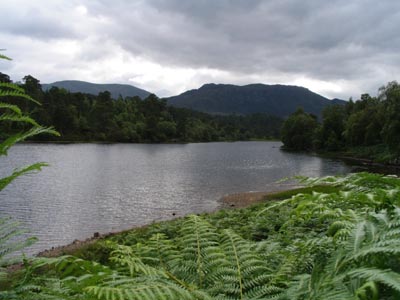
x=85 y=117
x=369 y=127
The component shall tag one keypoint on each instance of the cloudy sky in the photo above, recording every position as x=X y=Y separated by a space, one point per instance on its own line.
x=338 y=48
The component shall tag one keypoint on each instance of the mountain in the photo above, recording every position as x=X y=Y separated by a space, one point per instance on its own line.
x=75 y=86
x=279 y=100
x=338 y=101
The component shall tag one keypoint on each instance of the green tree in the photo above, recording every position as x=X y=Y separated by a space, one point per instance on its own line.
x=364 y=124
x=4 y=78
x=390 y=97
x=334 y=118
x=33 y=88
x=102 y=115
x=298 y=130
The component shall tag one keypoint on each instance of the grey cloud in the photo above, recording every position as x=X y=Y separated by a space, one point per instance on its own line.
x=35 y=22
x=312 y=37
x=339 y=40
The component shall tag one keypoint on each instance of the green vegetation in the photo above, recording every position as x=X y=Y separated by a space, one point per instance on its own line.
x=297 y=130
x=367 y=128
x=10 y=244
x=12 y=114
x=326 y=189
x=342 y=243
x=85 y=117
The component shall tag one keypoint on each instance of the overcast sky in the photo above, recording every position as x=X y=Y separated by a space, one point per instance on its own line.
x=338 y=48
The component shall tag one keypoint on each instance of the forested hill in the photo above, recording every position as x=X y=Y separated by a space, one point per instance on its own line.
x=75 y=86
x=278 y=100
x=85 y=117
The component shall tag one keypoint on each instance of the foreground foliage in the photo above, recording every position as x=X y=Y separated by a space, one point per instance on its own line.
x=340 y=244
x=10 y=244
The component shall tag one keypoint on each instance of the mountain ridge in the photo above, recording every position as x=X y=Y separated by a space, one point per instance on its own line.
x=221 y=99
x=276 y=99
x=116 y=89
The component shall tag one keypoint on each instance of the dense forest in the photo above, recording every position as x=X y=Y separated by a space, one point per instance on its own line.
x=85 y=117
x=369 y=127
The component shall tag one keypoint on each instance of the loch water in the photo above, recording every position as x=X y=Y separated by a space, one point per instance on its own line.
x=111 y=187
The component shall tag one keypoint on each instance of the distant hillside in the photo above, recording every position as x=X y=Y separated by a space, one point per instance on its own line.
x=279 y=100
x=75 y=86
x=338 y=101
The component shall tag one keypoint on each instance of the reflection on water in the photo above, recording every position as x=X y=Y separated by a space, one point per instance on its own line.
x=101 y=188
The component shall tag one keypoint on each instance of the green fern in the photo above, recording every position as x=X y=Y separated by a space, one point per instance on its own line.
x=2 y=56
x=244 y=274
x=9 y=230
x=358 y=264
x=11 y=242
x=29 y=169
x=198 y=244
x=145 y=290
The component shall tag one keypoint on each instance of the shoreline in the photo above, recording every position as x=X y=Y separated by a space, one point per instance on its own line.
x=367 y=162
x=240 y=200
x=78 y=244
x=176 y=142
x=245 y=199
x=229 y=201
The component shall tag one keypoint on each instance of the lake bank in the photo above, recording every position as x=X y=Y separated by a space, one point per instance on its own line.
x=231 y=201
x=367 y=163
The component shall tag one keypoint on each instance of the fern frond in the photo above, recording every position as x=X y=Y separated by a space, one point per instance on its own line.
x=13 y=117
x=160 y=252
x=72 y=268
x=17 y=94
x=392 y=249
x=19 y=137
x=368 y=291
x=12 y=107
x=2 y=56
x=147 y=291
x=26 y=170
x=198 y=241
x=386 y=277
x=244 y=274
x=123 y=256
x=276 y=205
x=12 y=86
x=11 y=241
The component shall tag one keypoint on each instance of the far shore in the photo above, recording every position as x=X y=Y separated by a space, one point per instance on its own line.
x=171 y=142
